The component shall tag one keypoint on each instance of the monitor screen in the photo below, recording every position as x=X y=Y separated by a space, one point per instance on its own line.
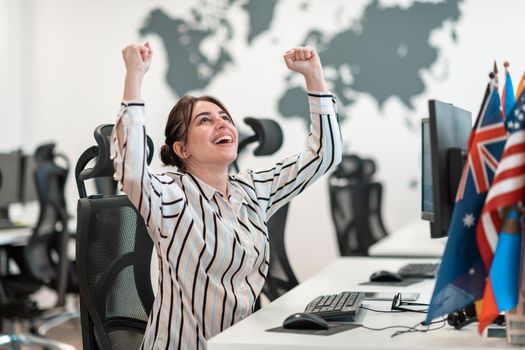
x=28 y=191
x=10 y=169
x=10 y=164
x=449 y=128
x=427 y=203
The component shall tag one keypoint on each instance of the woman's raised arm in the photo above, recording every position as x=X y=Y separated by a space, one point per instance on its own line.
x=146 y=190
x=276 y=186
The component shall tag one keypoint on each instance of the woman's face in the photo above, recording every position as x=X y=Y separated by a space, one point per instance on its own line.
x=212 y=137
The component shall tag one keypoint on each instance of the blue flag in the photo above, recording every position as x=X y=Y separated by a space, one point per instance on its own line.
x=508 y=99
x=462 y=273
x=505 y=270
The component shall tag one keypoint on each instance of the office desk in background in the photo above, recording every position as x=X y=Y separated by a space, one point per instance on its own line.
x=413 y=240
x=346 y=274
x=14 y=236
x=10 y=237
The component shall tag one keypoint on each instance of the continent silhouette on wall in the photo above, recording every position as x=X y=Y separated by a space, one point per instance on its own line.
x=188 y=68
x=384 y=52
x=381 y=54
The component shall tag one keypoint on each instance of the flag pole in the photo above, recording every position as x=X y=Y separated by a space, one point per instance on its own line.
x=515 y=318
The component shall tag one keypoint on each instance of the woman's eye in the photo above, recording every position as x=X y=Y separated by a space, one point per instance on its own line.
x=205 y=120
x=225 y=117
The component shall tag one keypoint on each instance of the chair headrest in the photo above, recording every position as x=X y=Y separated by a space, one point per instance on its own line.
x=268 y=135
x=353 y=167
x=45 y=155
x=103 y=165
x=45 y=152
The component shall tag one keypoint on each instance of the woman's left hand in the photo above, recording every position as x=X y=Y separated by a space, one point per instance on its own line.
x=305 y=60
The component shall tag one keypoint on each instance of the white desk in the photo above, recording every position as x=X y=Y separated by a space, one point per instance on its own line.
x=345 y=274
x=412 y=240
x=15 y=236
x=10 y=237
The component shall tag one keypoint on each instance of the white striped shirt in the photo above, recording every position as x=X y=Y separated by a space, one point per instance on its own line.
x=213 y=253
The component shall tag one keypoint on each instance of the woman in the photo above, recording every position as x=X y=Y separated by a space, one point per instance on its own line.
x=209 y=227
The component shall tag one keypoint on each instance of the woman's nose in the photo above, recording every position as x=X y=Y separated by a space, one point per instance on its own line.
x=221 y=123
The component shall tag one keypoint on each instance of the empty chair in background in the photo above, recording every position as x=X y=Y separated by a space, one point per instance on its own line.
x=268 y=136
x=355 y=203
x=43 y=261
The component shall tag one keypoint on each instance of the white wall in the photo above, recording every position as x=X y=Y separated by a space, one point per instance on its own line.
x=14 y=64
x=64 y=75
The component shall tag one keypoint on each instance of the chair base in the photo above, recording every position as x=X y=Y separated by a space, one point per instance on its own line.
x=57 y=320
x=15 y=340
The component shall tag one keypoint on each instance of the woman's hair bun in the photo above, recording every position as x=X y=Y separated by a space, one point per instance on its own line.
x=168 y=156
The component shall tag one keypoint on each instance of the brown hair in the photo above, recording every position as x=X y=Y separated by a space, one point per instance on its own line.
x=178 y=124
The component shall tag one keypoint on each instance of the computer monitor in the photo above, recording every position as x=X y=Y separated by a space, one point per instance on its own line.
x=444 y=140
x=10 y=174
x=28 y=192
x=427 y=202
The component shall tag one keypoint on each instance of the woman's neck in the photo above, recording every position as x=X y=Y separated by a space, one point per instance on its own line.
x=216 y=178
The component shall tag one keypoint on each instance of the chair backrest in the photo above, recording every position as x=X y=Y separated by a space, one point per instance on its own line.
x=355 y=202
x=280 y=277
x=268 y=136
x=113 y=263
x=113 y=257
x=46 y=251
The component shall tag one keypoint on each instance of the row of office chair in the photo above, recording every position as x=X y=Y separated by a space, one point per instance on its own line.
x=43 y=261
x=113 y=244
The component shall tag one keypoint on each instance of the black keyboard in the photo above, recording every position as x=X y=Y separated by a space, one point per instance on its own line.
x=427 y=270
x=344 y=305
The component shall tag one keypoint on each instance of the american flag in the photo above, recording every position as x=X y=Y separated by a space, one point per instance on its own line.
x=509 y=182
x=462 y=274
x=507 y=190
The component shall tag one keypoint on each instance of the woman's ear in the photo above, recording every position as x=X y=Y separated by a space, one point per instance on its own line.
x=180 y=150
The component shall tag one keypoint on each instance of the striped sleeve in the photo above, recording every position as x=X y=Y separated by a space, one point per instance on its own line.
x=129 y=152
x=276 y=186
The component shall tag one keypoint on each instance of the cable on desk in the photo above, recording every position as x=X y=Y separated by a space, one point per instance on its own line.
x=428 y=329
x=382 y=329
x=399 y=309
x=408 y=329
x=384 y=311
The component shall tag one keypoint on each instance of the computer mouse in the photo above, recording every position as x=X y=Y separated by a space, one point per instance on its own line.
x=385 y=276
x=303 y=320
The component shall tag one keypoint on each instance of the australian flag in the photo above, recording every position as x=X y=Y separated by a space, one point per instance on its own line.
x=462 y=273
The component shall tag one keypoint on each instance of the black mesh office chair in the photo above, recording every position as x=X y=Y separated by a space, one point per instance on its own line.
x=355 y=201
x=43 y=261
x=281 y=277
x=47 y=249
x=269 y=137
x=113 y=258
